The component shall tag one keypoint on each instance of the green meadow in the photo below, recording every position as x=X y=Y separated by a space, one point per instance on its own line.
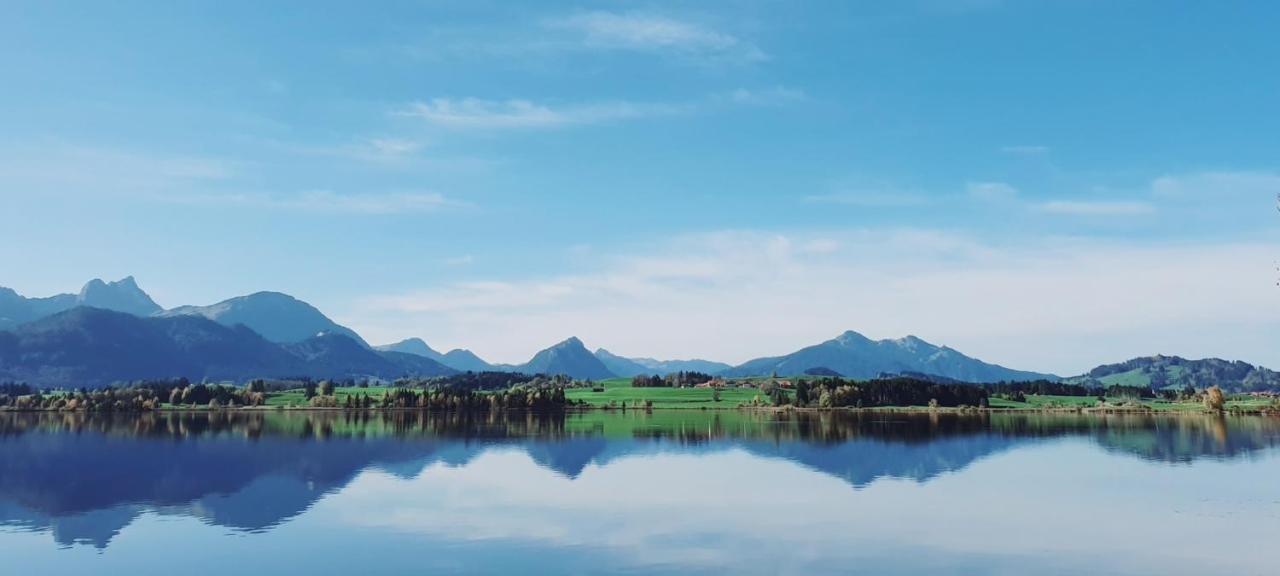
x=298 y=397
x=619 y=391
x=1047 y=402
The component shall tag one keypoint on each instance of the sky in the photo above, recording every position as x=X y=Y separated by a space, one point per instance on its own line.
x=1045 y=185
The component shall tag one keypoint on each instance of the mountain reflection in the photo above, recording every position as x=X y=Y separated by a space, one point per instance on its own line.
x=83 y=478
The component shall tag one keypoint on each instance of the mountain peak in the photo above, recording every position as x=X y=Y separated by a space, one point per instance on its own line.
x=123 y=295
x=569 y=357
x=415 y=346
x=571 y=342
x=466 y=360
x=851 y=337
x=911 y=342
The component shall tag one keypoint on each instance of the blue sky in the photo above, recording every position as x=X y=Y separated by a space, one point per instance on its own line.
x=1047 y=185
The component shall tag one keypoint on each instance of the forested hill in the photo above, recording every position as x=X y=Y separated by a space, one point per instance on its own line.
x=1174 y=372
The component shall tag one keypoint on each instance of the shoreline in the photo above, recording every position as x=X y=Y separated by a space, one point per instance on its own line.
x=969 y=411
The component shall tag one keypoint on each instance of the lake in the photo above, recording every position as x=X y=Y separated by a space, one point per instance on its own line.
x=668 y=492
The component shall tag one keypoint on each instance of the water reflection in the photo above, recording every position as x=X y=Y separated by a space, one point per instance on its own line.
x=83 y=478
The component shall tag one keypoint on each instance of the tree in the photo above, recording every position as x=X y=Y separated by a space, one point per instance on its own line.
x=802 y=393
x=326 y=388
x=1214 y=400
x=308 y=389
x=715 y=394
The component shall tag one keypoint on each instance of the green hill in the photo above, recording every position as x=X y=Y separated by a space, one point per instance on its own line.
x=1174 y=372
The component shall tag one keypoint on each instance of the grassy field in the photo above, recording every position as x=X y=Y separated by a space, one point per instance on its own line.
x=297 y=397
x=619 y=390
x=1136 y=377
x=1046 y=402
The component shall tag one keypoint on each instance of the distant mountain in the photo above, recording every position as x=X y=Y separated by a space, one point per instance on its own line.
x=16 y=309
x=466 y=361
x=856 y=356
x=619 y=365
x=628 y=367
x=336 y=355
x=570 y=358
x=458 y=359
x=123 y=295
x=1175 y=372
x=411 y=346
x=821 y=371
x=92 y=347
x=280 y=318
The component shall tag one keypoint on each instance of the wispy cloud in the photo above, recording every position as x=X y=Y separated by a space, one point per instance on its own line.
x=774 y=96
x=516 y=113
x=1211 y=185
x=991 y=191
x=659 y=34
x=385 y=150
x=386 y=203
x=56 y=167
x=1097 y=207
x=388 y=147
x=871 y=198
x=389 y=203
x=1033 y=304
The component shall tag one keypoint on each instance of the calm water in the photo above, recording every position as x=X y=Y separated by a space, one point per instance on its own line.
x=669 y=492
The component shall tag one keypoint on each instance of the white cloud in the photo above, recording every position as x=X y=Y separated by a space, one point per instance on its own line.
x=1054 y=305
x=652 y=33
x=1097 y=207
x=505 y=114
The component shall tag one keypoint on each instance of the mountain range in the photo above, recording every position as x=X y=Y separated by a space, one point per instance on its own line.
x=569 y=357
x=93 y=347
x=122 y=296
x=113 y=331
x=458 y=359
x=636 y=366
x=855 y=356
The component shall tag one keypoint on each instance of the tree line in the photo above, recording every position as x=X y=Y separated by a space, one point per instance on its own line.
x=672 y=380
